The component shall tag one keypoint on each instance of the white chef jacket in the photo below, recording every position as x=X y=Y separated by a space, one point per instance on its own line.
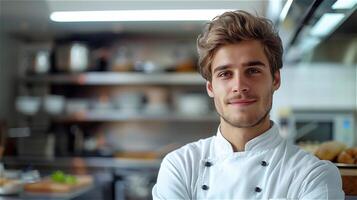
x=269 y=168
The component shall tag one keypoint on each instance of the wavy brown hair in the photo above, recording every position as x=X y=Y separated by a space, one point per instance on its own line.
x=233 y=27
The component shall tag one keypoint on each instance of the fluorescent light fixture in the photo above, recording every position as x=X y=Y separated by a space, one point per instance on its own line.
x=309 y=43
x=344 y=4
x=326 y=24
x=285 y=10
x=137 y=15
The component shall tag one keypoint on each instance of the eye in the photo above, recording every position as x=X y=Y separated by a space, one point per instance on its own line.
x=224 y=74
x=253 y=71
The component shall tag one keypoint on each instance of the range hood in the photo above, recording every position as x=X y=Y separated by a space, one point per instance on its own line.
x=305 y=41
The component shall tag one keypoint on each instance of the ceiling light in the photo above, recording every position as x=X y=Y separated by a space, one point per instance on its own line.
x=344 y=4
x=137 y=15
x=326 y=24
x=285 y=10
x=309 y=43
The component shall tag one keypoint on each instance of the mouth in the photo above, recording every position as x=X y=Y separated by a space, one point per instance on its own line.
x=241 y=102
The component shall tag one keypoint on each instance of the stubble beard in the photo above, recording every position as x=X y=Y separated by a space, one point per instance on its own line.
x=256 y=122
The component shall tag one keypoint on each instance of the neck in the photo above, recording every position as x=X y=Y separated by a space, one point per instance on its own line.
x=238 y=137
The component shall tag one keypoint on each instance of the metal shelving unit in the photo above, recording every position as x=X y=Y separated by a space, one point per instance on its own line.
x=123 y=79
x=117 y=78
x=113 y=115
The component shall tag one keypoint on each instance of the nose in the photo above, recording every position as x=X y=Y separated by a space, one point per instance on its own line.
x=240 y=84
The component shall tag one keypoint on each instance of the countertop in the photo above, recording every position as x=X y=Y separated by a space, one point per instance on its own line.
x=90 y=162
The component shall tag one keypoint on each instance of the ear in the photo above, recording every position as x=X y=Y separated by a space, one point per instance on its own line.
x=277 y=80
x=209 y=89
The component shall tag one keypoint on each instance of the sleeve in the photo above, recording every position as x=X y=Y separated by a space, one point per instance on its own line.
x=323 y=182
x=170 y=181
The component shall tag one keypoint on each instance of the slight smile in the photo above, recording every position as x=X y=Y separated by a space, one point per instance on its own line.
x=242 y=102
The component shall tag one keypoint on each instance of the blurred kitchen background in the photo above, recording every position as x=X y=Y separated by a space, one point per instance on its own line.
x=109 y=99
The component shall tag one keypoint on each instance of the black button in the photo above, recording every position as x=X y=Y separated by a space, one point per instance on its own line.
x=208 y=164
x=264 y=163
x=204 y=187
x=258 y=189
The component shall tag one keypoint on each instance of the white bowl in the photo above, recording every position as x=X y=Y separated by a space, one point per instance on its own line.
x=28 y=105
x=54 y=104
x=193 y=104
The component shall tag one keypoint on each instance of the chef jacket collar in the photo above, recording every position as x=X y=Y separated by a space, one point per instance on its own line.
x=263 y=142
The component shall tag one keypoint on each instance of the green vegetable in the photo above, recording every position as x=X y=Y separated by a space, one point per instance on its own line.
x=60 y=177
x=69 y=179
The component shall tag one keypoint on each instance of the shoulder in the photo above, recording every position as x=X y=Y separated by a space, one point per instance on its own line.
x=305 y=161
x=318 y=169
x=312 y=173
x=179 y=169
x=301 y=158
x=190 y=153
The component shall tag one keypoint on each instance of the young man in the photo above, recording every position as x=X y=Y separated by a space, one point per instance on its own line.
x=241 y=57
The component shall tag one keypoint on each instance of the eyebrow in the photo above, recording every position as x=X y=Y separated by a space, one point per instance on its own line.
x=253 y=63
x=247 y=64
x=220 y=68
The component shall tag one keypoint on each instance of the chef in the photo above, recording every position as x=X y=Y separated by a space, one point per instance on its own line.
x=240 y=56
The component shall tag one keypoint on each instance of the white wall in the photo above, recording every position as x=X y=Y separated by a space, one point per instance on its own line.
x=317 y=86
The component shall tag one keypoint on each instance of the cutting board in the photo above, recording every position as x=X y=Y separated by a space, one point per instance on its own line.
x=46 y=185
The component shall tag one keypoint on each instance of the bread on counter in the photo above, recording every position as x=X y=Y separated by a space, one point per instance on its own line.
x=348 y=156
x=330 y=150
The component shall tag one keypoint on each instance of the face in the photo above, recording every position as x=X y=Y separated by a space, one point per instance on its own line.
x=242 y=85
